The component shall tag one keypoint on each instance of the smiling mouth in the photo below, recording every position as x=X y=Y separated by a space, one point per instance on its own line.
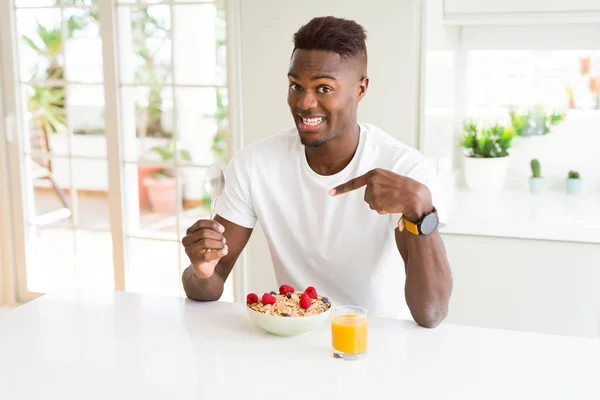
x=312 y=124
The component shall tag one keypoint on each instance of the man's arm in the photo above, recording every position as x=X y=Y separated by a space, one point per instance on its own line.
x=428 y=277
x=204 y=279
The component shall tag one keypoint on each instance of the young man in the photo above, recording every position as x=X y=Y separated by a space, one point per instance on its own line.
x=344 y=206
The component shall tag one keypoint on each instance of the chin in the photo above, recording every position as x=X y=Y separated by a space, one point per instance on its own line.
x=312 y=142
x=313 y=139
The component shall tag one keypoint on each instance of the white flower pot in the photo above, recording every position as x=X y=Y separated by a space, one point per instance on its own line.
x=485 y=175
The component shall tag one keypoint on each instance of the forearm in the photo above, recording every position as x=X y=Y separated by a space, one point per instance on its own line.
x=202 y=289
x=428 y=279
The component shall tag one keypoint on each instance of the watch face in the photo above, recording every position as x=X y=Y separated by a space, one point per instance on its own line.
x=429 y=224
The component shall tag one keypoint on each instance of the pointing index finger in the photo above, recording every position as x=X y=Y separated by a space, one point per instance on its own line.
x=352 y=184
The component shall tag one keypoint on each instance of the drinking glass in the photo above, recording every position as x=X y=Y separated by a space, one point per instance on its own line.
x=349 y=332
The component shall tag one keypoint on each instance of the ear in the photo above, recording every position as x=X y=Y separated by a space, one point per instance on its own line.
x=362 y=87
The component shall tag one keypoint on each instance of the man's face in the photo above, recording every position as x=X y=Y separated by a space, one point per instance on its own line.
x=323 y=94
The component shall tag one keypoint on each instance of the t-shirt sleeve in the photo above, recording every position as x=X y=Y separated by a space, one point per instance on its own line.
x=423 y=172
x=235 y=203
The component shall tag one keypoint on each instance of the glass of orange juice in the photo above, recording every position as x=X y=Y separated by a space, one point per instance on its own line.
x=349 y=332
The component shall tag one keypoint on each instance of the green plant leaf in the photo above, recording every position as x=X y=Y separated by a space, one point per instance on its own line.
x=185 y=155
x=167 y=152
x=34 y=46
x=487 y=141
x=162 y=151
x=52 y=39
x=47 y=106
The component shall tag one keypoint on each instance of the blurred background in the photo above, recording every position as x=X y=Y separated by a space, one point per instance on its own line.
x=112 y=110
x=172 y=110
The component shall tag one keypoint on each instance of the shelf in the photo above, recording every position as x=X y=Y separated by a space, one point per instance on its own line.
x=513 y=214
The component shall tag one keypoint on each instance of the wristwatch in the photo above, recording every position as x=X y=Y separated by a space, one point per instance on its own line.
x=426 y=225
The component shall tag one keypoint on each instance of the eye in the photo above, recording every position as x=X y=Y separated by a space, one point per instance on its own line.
x=324 y=89
x=294 y=87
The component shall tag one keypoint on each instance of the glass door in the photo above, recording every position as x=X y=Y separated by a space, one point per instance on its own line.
x=121 y=107
x=173 y=100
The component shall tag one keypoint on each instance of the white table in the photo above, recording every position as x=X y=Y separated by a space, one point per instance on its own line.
x=110 y=345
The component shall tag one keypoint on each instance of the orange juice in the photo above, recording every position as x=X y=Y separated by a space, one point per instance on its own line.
x=349 y=333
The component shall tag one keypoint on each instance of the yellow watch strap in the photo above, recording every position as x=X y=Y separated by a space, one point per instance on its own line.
x=401 y=223
x=412 y=228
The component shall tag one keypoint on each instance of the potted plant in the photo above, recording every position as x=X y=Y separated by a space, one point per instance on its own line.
x=486 y=155
x=534 y=121
x=160 y=185
x=573 y=182
x=536 y=180
x=47 y=102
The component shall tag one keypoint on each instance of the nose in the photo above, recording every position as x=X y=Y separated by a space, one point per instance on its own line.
x=307 y=101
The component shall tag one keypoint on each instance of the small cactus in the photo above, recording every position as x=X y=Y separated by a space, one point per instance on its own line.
x=535 y=168
x=573 y=175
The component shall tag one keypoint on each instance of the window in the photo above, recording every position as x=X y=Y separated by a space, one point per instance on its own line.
x=562 y=79
x=173 y=123
x=555 y=95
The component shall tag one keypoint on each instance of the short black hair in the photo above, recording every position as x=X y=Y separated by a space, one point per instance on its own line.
x=338 y=35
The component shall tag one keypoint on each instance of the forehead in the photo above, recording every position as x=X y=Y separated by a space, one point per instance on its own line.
x=308 y=63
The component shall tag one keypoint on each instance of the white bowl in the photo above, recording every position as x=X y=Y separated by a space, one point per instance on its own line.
x=287 y=326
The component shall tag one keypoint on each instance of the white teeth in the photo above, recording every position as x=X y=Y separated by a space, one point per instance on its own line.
x=312 y=121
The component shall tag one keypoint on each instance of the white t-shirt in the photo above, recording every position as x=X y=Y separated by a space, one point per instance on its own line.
x=337 y=244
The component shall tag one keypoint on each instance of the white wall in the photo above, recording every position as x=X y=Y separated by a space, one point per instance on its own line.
x=391 y=102
x=438 y=35
x=439 y=91
x=527 y=285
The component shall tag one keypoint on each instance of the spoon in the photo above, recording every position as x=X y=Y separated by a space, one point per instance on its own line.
x=214 y=183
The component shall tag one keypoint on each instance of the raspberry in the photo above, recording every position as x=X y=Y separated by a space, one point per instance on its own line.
x=305 y=301
x=251 y=298
x=285 y=289
x=311 y=292
x=268 y=299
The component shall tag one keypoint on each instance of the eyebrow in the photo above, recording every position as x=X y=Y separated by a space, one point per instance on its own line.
x=314 y=78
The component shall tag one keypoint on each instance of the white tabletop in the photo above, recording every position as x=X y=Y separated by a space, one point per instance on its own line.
x=110 y=345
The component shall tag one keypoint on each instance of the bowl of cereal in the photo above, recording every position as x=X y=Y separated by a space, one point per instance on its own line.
x=288 y=313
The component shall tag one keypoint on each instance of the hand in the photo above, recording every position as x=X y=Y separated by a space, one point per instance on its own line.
x=387 y=192
x=205 y=245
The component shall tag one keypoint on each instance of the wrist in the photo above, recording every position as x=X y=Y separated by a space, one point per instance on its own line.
x=416 y=211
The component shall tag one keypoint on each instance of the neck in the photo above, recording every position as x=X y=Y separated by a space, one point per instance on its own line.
x=334 y=155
